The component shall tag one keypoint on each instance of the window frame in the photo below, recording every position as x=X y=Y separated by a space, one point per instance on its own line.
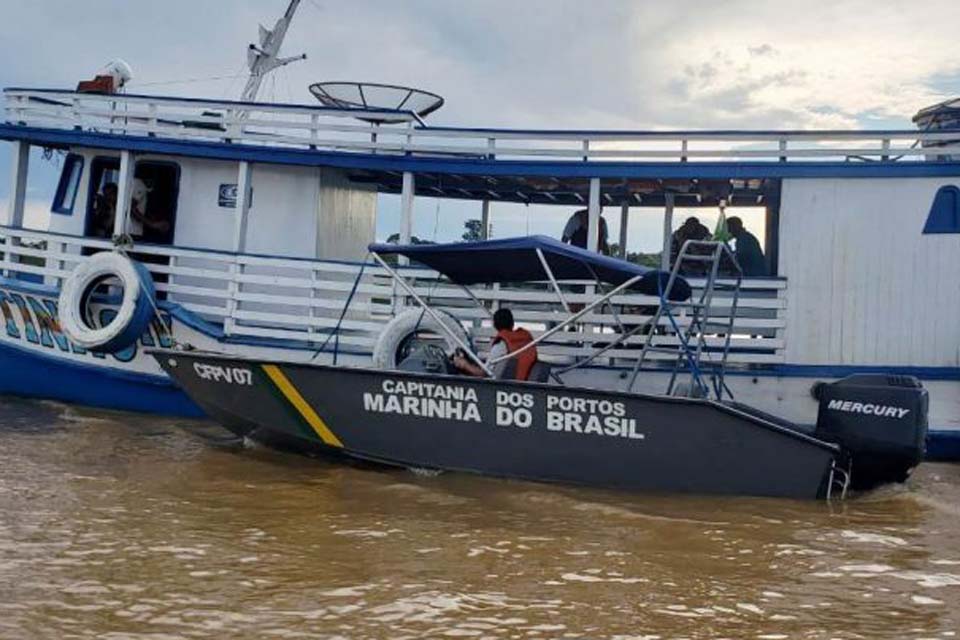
x=59 y=206
x=944 y=215
x=105 y=162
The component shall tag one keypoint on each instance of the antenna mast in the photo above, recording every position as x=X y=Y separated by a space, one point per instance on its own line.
x=263 y=59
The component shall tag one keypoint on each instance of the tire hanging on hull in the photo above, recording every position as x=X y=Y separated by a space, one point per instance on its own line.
x=133 y=315
x=404 y=326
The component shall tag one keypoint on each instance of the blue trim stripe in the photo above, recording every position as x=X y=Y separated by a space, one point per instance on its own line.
x=25 y=372
x=478 y=166
x=943 y=445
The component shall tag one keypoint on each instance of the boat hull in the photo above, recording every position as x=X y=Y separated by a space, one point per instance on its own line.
x=508 y=429
x=28 y=374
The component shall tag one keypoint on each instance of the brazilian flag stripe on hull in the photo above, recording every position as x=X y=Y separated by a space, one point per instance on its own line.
x=317 y=426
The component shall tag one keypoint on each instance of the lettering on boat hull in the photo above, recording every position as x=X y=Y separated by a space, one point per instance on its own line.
x=31 y=321
x=554 y=412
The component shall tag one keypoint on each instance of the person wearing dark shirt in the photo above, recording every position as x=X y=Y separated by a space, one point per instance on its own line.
x=748 y=251
x=691 y=229
x=104 y=211
x=575 y=231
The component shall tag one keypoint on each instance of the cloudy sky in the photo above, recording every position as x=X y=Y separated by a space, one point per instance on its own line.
x=626 y=64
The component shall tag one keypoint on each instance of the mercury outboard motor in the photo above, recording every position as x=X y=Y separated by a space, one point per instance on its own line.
x=880 y=422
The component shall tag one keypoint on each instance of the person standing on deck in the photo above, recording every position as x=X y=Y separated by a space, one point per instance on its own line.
x=576 y=229
x=104 y=211
x=748 y=251
x=140 y=224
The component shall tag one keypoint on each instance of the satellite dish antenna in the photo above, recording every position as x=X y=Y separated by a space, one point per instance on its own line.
x=366 y=96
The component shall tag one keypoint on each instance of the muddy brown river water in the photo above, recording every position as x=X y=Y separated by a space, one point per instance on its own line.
x=120 y=526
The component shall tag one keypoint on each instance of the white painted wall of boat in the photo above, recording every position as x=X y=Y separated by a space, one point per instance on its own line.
x=866 y=286
x=299 y=212
x=283 y=218
x=201 y=223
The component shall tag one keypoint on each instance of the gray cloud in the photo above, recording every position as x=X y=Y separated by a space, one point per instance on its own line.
x=762 y=50
x=535 y=63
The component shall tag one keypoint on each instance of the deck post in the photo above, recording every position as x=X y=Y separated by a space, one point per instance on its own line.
x=18 y=183
x=406 y=212
x=124 y=193
x=243 y=207
x=667 y=233
x=624 y=215
x=244 y=175
x=485 y=220
x=593 y=215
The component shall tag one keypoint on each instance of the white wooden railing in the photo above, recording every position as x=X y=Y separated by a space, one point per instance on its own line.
x=300 y=301
x=321 y=128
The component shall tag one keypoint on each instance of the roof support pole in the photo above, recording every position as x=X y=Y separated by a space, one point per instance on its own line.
x=124 y=193
x=485 y=219
x=485 y=234
x=624 y=215
x=406 y=212
x=593 y=215
x=553 y=280
x=18 y=183
x=667 y=233
x=244 y=176
x=242 y=211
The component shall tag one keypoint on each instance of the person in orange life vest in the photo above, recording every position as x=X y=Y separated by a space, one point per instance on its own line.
x=507 y=341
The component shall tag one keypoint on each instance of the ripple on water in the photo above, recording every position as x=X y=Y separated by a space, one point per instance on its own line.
x=115 y=526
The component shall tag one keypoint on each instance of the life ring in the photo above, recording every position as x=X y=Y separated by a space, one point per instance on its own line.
x=398 y=331
x=133 y=315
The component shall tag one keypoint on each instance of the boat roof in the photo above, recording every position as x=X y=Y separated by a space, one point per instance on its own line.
x=518 y=260
x=529 y=166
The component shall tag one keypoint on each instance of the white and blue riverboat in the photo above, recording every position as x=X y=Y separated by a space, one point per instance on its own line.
x=268 y=211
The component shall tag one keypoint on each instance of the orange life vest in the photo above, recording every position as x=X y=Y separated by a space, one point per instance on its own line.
x=515 y=340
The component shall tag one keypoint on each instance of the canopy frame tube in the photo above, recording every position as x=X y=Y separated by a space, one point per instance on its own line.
x=433 y=314
x=692 y=338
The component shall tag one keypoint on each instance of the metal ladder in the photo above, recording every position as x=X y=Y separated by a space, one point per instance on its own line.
x=693 y=337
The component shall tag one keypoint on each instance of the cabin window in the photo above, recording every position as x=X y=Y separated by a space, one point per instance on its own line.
x=68 y=186
x=102 y=198
x=944 y=216
x=161 y=184
x=162 y=180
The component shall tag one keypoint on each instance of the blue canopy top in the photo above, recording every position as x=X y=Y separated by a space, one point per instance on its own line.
x=516 y=260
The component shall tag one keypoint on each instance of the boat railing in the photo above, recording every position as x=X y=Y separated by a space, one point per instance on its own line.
x=321 y=128
x=300 y=301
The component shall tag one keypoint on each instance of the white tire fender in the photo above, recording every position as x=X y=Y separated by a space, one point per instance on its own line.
x=408 y=323
x=133 y=315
